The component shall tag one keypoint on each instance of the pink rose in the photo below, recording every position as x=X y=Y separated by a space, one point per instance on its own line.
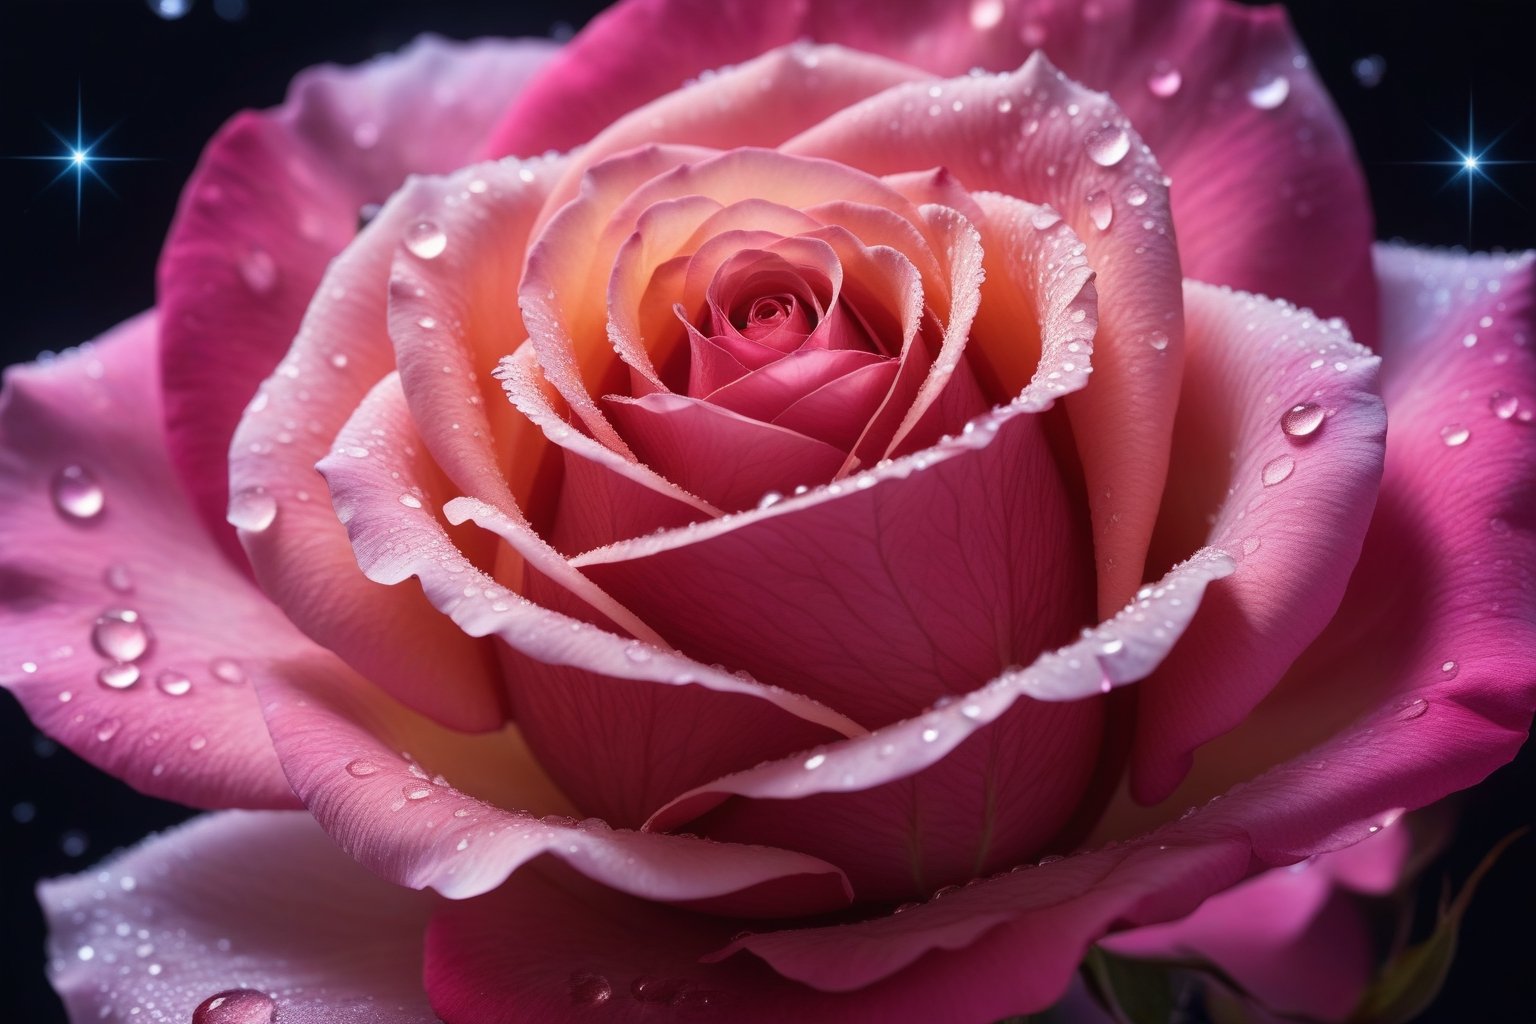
x=859 y=478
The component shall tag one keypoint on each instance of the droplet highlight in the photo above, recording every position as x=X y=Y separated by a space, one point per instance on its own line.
x=251 y=509
x=119 y=675
x=1302 y=420
x=1270 y=92
x=76 y=494
x=1164 y=80
x=426 y=240
x=1277 y=470
x=236 y=1006
x=120 y=634
x=1455 y=434
x=1503 y=405
x=1107 y=146
x=173 y=683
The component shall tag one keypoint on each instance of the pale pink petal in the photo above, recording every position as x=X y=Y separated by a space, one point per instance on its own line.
x=1280 y=437
x=1291 y=936
x=298 y=550
x=1268 y=194
x=275 y=196
x=425 y=806
x=96 y=523
x=615 y=681
x=996 y=133
x=239 y=900
x=967 y=788
x=729 y=459
x=1423 y=683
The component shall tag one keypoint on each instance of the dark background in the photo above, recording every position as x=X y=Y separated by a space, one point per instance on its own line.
x=164 y=86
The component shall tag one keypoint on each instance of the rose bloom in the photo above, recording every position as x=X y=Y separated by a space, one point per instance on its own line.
x=836 y=538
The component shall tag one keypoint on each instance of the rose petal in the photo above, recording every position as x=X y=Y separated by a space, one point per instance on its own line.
x=300 y=553
x=967 y=788
x=275 y=196
x=616 y=681
x=460 y=813
x=260 y=901
x=1293 y=505
x=1123 y=422
x=118 y=535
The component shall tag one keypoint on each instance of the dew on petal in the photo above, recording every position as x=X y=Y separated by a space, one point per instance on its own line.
x=227 y=670
x=1101 y=210
x=1302 y=420
x=1158 y=340
x=1277 y=470
x=360 y=768
x=173 y=683
x=1107 y=146
x=1164 y=80
x=986 y=14
x=120 y=634
x=426 y=240
x=236 y=1006
x=1270 y=92
x=1503 y=405
x=76 y=494
x=1135 y=195
x=259 y=270
x=251 y=509
x=119 y=675
x=1455 y=434
x=118 y=578
x=589 y=989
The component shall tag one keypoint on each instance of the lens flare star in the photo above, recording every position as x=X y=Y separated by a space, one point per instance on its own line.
x=1471 y=163
x=80 y=158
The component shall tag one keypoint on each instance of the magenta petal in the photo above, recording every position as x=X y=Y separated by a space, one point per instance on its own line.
x=260 y=901
x=275 y=196
x=462 y=813
x=95 y=522
x=726 y=458
x=837 y=411
x=1280 y=437
x=966 y=788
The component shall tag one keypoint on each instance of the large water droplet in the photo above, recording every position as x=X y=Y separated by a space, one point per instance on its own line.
x=174 y=683
x=1277 y=470
x=120 y=634
x=1503 y=405
x=1455 y=434
x=1108 y=145
x=252 y=509
x=426 y=240
x=589 y=989
x=1101 y=210
x=119 y=675
x=1270 y=92
x=1302 y=420
x=1164 y=80
x=1158 y=340
x=76 y=494
x=259 y=270
x=235 y=1006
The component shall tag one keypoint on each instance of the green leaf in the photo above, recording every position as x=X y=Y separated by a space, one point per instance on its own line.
x=1412 y=978
x=1135 y=991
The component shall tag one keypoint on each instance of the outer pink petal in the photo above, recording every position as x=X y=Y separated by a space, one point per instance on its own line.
x=1424 y=681
x=141 y=549
x=276 y=195
x=573 y=953
x=613 y=682
x=1292 y=935
x=998 y=133
x=297 y=548
x=425 y=806
x=260 y=901
x=1263 y=167
x=969 y=787
x=1294 y=506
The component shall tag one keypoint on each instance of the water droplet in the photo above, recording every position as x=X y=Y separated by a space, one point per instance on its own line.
x=1468 y=340
x=1503 y=404
x=361 y=769
x=1450 y=668
x=1164 y=80
x=1409 y=710
x=1158 y=340
x=1044 y=218
x=1302 y=420
x=235 y=1006
x=589 y=989
x=197 y=743
x=121 y=635
x=1100 y=210
x=118 y=578
x=1251 y=545
x=174 y=683
x=1369 y=70
x=770 y=499
x=251 y=509
x=339 y=360
x=108 y=728
x=1135 y=194
x=227 y=670
x=637 y=652
x=415 y=791
x=1277 y=470
x=986 y=14
x=1108 y=145
x=170 y=10
x=76 y=494
x=410 y=501
x=426 y=240
x=259 y=270
x=646 y=989
x=1270 y=92
x=1455 y=434
x=815 y=761
x=929 y=735
x=1112 y=646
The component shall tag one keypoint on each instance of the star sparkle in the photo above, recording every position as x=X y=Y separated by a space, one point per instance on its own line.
x=1471 y=163
x=80 y=158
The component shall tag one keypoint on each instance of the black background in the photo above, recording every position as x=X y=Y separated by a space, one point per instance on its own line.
x=163 y=87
